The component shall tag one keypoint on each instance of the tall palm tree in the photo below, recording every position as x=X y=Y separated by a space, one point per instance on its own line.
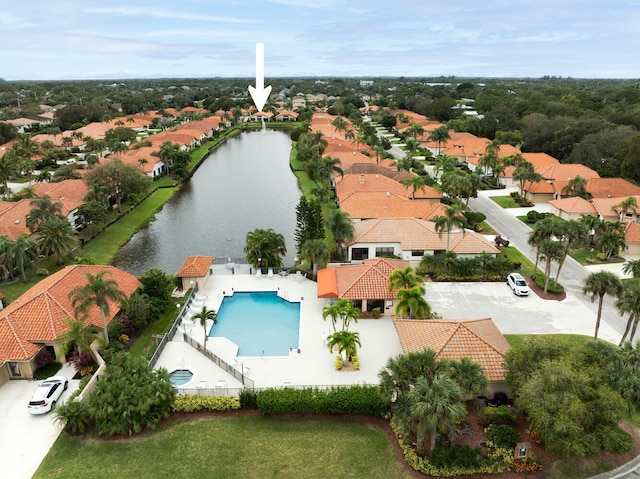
x=542 y=230
x=628 y=204
x=315 y=251
x=416 y=182
x=632 y=267
x=445 y=164
x=78 y=335
x=415 y=130
x=411 y=303
x=203 y=316
x=346 y=342
x=342 y=309
x=404 y=278
x=331 y=311
x=597 y=284
x=327 y=167
x=452 y=218
x=21 y=253
x=265 y=248
x=629 y=303
x=550 y=251
x=8 y=169
x=525 y=173
x=98 y=291
x=57 y=237
x=435 y=408
x=571 y=232
x=439 y=135
x=341 y=227
x=41 y=210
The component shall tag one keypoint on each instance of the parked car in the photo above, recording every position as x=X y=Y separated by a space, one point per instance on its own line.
x=48 y=392
x=518 y=284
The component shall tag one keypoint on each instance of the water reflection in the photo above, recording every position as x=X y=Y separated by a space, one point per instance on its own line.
x=246 y=184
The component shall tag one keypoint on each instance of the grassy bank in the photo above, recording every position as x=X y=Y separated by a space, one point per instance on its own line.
x=231 y=447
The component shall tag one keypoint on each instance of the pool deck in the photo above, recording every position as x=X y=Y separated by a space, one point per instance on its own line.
x=314 y=365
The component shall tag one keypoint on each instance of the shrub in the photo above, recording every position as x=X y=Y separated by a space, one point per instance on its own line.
x=47 y=371
x=44 y=358
x=615 y=440
x=356 y=362
x=364 y=400
x=500 y=241
x=457 y=455
x=503 y=436
x=248 y=399
x=499 y=415
x=73 y=416
x=195 y=402
x=42 y=272
x=375 y=313
x=339 y=363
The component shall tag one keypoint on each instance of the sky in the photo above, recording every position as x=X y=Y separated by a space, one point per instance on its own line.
x=118 y=39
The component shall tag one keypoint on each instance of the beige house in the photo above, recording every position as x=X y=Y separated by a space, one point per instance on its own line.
x=194 y=271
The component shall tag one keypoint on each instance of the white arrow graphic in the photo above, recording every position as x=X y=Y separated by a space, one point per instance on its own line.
x=259 y=93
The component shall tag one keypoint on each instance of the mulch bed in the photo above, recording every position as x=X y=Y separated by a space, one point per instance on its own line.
x=540 y=292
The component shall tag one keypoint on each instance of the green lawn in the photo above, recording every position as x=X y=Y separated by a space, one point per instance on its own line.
x=505 y=201
x=228 y=448
x=585 y=257
x=515 y=255
x=570 y=340
x=160 y=326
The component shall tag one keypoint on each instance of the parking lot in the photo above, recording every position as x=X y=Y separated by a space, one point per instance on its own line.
x=515 y=314
x=25 y=439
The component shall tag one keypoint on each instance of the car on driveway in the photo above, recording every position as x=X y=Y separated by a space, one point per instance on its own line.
x=48 y=392
x=518 y=284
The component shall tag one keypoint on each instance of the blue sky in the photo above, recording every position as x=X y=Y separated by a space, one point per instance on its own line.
x=95 y=39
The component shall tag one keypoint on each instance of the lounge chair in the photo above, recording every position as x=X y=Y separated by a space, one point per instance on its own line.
x=221 y=383
x=258 y=272
x=270 y=272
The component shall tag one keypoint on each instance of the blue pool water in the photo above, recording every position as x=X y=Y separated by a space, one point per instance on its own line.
x=260 y=323
x=180 y=377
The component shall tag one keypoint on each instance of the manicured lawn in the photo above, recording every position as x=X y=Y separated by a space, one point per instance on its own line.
x=161 y=326
x=515 y=255
x=570 y=340
x=228 y=448
x=104 y=247
x=585 y=257
x=486 y=229
x=505 y=201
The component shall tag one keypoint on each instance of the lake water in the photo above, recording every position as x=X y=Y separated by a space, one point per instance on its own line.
x=245 y=184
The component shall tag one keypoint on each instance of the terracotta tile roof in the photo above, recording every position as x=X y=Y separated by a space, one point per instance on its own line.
x=607 y=187
x=132 y=158
x=375 y=169
x=632 y=232
x=369 y=280
x=558 y=176
x=477 y=339
x=194 y=267
x=63 y=190
x=605 y=206
x=38 y=315
x=574 y=204
x=540 y=159
x=415 y=234
x=381 y=204
x=366 y=182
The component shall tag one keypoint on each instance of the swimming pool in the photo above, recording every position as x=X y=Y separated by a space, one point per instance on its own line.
x=180 y=377
x=260 y=323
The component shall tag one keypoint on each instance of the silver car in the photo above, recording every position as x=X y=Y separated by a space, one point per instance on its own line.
x=518 y=284
x=48 y=392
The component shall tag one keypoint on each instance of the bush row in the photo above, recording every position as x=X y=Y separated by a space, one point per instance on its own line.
x=364 y=400
x=195 y=402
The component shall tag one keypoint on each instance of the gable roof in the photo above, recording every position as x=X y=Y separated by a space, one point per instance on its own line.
x=477 y=339
x=369 y=280
x=574 y=204
x=631 y=232
x=608 y=187
x=38 y=315
x=368 y=182
x=195 y=267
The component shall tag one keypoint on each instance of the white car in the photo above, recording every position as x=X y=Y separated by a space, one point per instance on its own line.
x=48 y=392
x=518 y=284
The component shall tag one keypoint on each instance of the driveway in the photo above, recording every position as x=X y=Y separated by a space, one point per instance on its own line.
x=25 y=439
x=515 y=314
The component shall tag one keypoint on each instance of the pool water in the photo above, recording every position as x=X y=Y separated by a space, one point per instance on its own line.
x=180 y=377
x=260 y=323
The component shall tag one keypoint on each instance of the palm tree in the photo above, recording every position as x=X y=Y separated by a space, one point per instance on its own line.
x=416 y=182
x=435 y=408
x=340 y=124
x=576 y=186
x=340 y=226
x=525 y=173
x=8 y=169
x=632 y=267
x=327 y=167
x=42 y=209
x=315 y=251
x=597 y=284
x=78 y=335
x=470 y=376
x=332 y=311
x=411 y=303
x=347 y=312
x=629 y=302
x=346 y=342
x=439 y=135
x=57 y=237
x=542 y=230
x=571 y=232
x=20 y=254
x=610 y=241
x=626 y=205
x=98 y=291
x=404 y=278
x=550 y=251
x=206 y=315
x=445 y=164
x=265 y=248
x=452 y=218
x=415 y=130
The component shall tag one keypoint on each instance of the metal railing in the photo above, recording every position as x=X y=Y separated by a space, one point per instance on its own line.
x=221 y=363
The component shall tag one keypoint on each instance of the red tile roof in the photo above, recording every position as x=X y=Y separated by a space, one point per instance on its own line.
x=574 y=204
x=477 y=339
x=38 y=315
x=632 y=232
x=195 y=267
x=382 y=204
x=367 y=182
x=608 y=187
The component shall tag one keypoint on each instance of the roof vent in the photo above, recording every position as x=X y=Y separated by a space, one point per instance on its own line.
x=361 y=179
x=16 y=222
x=388 y=193
x=377 y=177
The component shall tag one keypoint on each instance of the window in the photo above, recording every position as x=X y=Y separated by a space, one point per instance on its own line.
x=359 y=253
x=419 y=253
x=384 y=251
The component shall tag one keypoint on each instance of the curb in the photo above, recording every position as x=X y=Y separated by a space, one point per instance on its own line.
x=630 y=469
